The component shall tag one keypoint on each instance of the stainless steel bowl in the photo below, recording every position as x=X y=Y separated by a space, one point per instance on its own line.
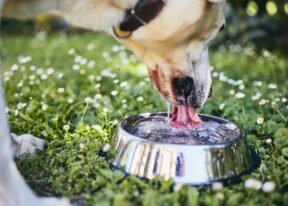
x=186 y=164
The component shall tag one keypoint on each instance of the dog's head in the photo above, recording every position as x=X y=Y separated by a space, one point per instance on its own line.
x=174 y=47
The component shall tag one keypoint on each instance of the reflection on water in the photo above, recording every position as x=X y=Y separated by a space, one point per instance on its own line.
x=158 y=129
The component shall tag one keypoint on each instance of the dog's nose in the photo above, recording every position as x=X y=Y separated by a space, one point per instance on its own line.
x=183 y=86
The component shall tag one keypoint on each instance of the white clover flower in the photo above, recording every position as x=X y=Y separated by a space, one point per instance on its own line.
x=31 y=77
x=71 y=51
x=272 y=86
x=76 y=67
x=124 y=101
x=115 y=122
x=106 y=147
x=140 y=99
x=239 y=95
x=221 y=106
x=70 y=100
x=14 y=67
x=257 y=96
x=232 y=92
x=77 y=59
x=44 y=107
x=20 y=84
x=33 y=68
x=98 y=78
x=242 y=86
x=16 y=95
x=50 y=71
x=105 y=110
x=263 y=102
x=88 y=100
x=97 y=86
x=124 y=106
x=114 y=93
x=116 y=81
x=253 y=184
x=91 y=64
x=90 y=46
x=106 y=73
x=31 y=82
x=222 y=77
x=215 y=74
x=96 y=104
x=44 y=76
x=177 y=187
x=106 y=55
x=39 y=71
x=113 y=75
x=66 y=127
x=268 y=186
x=240 y=81
x=98 y=96
x=260 y=120
x=81 y=146
x=24 y=60
x=122 y=47
x=21 y=105
x=123 y=55
x=16 y=112
x=232 y=82
x=82 y=71
x=60 y=90
x=124 y=84
x=60 y=76
x=217 y=186
x=83 y=61
x=257 y=83
x=115 y=48
x=91 y=77
x=269 y=141
x=284 y=100
x=266 y=53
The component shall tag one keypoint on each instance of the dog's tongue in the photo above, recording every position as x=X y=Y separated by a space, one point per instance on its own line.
x=184 y=116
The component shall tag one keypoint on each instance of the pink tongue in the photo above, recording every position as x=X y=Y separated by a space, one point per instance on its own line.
x=184 y=116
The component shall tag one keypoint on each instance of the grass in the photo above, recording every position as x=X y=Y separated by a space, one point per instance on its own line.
x=50 y=97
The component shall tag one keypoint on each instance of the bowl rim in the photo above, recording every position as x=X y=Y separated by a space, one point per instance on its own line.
x=121 y=129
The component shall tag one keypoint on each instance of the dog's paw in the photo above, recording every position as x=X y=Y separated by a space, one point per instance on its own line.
x=28 y=144
x=52 y=201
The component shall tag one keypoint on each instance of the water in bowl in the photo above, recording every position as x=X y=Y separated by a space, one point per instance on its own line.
x=158 y=129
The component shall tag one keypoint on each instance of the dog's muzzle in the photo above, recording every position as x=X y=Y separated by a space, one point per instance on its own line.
x=141 y=14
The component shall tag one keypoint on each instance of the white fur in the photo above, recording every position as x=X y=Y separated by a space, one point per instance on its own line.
x=29 y=144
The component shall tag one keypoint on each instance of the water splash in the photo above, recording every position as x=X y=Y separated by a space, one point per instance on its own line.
x=156 y=128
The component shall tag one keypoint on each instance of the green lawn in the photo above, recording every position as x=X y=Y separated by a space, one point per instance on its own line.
x=55 y=96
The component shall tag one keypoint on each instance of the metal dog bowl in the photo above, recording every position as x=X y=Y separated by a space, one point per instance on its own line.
x=193 y=161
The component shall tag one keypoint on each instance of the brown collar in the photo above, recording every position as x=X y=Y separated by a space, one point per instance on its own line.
x=141 y=14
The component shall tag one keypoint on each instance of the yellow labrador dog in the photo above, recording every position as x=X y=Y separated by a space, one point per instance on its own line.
x=169 y=36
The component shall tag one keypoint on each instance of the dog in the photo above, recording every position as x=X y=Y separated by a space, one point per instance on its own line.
x=171 y=37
